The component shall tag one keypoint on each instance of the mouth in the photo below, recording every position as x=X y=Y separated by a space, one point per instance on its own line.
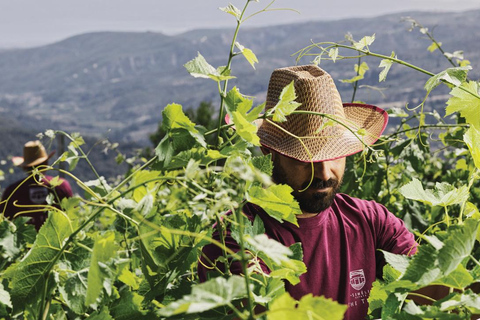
x=320 y=186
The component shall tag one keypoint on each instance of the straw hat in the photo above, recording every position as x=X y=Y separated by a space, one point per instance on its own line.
x=34 y=153
x=322 y=139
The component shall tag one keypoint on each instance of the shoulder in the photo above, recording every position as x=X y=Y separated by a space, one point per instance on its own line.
x=63 y=187
x=367 y=207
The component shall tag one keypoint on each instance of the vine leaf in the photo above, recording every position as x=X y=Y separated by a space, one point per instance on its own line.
x=464 y=102
x=214 y=293
x=241 y=112
x=103 y=250
x=277 y=201
x=231 y=9
x=434 y=46
x=286 y=104
x=472 y=139
x=360 y=70
x=181 y=133
x=453 y=76
x=248 y=54
x=444 y=194
x=200 y=68
x=309 y=307
x=364 y=42
x=386 y=64
x=31 y=274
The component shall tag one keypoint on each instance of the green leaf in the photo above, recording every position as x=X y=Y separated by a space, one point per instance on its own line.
x=468 y=300
x=245 y=129
x=422 y=269
x=286 y=104
x=465 y=100
x=208 y=295
x=459 y=278
x=31 y=274
x=377 y=297
x=444 y=194
x=309 y=307
x=434 y=46
x=274 y=250
x=360 y=70
x=103 y=250
x=472 y=139
x=128 y=307
x=453 y=76
x=364 y=42
x=458 y=245
x=277 y=201
x=385 y=64
x=5 y=297
x=263 y=163
x=333 y=53
x=248 y=54
x=398 y=261
x=200 y=68
x=74 y=291
x=102 y=314
x=231 y=9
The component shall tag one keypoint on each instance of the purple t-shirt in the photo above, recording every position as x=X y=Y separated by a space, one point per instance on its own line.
x=31 y=193
x=339 y=249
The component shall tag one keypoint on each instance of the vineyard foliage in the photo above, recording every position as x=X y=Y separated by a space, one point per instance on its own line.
x=130 y=250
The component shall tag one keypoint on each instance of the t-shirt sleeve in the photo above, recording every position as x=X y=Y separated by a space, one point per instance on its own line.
x=391 y=233
x=209 y=265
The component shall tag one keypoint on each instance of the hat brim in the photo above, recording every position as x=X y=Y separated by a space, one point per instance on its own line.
x=20 y=161
x=365 y=125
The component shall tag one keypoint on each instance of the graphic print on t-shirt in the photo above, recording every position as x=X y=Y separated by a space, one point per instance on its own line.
x=357 y=279
x=38 y=195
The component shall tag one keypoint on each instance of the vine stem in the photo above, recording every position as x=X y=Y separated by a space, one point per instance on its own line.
x=223 y=92
x=396 y=60
x=244 y=262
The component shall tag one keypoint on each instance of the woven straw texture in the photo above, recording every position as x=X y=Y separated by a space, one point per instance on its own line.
x=321 y=138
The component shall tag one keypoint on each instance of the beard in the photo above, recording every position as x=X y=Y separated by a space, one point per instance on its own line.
x=310 y=200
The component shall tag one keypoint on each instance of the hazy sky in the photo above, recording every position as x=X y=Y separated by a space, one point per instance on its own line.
x=35 y=22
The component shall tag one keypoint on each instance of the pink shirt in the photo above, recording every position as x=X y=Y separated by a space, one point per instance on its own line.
x=339 y=249
x=32 y=194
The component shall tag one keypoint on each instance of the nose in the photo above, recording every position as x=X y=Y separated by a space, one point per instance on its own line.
x=323 y=170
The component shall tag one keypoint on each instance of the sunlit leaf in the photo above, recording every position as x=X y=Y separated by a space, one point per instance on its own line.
x=466 y=101
x=231 y=9
x=103 y=250
x=333 y=53
x=434 y=46
x=200 y=68
x=385 y=64
x=286 y=104
x=444 y=194
x=33 y=271
x=277 y=201
x=472 y=139
x=208 y=295
x=309 y=307
x=360 y=70
x=276 y=251
x=364 y=42
x=248 y=54
x=453 y=76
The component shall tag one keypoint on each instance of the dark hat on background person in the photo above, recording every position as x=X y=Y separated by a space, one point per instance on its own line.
x=321 y=139
x=34 y=153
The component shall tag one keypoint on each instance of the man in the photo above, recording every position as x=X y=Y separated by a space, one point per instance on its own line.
x=27 y=196
x=340 y=235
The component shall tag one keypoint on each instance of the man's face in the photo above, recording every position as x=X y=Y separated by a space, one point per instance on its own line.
x=327 y=178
